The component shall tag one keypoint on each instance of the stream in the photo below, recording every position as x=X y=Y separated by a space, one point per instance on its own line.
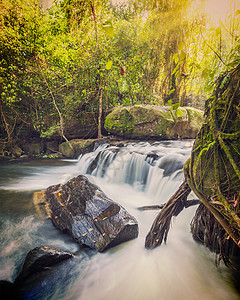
x=134 y=175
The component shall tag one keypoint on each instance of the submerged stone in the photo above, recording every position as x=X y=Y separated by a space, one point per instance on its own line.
x=81 y=209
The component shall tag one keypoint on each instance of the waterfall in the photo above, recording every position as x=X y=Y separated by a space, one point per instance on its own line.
x=148 y=167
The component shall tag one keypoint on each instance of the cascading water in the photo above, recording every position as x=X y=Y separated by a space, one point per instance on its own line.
x=134 y=175
x=147 y=167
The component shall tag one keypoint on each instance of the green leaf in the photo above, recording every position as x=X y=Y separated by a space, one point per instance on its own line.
x=176 y=58
x=180 y=47
x=224 y=81
x=109 y=64
x=169 y=103
x=205 y=73
x=218 y=30
x=237 y=13
x=108 y=28
x=171 y=92
x=198 y=66
x=179 y=113
x=182 y=55
x=175 y=106
x=175 y=70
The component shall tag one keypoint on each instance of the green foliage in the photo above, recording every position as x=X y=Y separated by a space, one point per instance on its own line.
x=168 y=57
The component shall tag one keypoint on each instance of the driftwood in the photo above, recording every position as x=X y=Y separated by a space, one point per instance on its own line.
x=161 y=224
x=161 y=206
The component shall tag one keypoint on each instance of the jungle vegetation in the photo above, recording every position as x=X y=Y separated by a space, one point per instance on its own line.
x=91 y=55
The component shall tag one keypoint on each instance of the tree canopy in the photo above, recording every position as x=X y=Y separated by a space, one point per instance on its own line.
x=78 y=55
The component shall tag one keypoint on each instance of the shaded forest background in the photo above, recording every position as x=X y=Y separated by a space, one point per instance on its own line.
x=86 y=56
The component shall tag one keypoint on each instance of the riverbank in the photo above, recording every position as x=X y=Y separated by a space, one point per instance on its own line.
x=140 y=122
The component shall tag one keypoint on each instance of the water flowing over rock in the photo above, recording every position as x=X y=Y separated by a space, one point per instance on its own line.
x=159 y=122
x=94 y=220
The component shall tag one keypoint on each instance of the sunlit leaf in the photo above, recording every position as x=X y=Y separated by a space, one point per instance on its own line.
x=237 y=13
x=205 y=73
x=175 y=70
x=108 y=28
x=179 y=113
x=198 y=66
x=176 y=58
x=169 y=103
x=180 y=47
x=109 y=64
x=182 y=55
x=175 y=55
x=218 y=30
x=171 y=92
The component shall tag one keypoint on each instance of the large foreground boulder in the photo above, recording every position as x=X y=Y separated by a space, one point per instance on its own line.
x=83 y=210
x=160 y=122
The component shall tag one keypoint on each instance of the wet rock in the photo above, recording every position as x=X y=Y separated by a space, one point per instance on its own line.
x=28 y=282
x=8 y=290
x=40 y=259
x=171 y=163
x=81 y=209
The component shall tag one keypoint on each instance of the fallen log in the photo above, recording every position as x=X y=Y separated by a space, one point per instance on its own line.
x=161 y=224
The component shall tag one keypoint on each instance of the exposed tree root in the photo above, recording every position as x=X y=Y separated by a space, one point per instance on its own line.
x=208 y=231
x=161 y=224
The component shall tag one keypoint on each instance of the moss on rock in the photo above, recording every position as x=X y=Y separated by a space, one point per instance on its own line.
x=213 y=171
x=120 y=121
x=75 y=147
x=158 y=122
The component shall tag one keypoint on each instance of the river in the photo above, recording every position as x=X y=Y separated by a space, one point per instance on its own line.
x=134 y=175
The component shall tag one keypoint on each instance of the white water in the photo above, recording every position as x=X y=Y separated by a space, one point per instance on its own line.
x=181 y=269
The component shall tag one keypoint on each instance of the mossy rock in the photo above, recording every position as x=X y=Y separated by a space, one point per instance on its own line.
x=160 y=122
x=75 y=147
x=120 y=121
